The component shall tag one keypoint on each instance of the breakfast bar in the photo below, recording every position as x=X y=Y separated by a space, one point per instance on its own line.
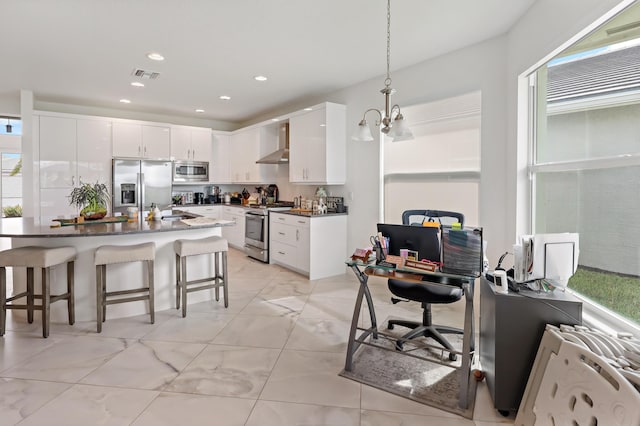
x=87 y=237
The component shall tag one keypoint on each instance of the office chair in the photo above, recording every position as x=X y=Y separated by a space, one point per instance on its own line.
x=425 y=293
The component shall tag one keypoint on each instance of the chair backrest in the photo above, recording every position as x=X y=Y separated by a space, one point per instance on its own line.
x=443 y=217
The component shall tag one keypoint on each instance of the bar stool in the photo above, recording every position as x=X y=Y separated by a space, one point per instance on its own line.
x=37 y=257
x=212 y=245
x=109 y=255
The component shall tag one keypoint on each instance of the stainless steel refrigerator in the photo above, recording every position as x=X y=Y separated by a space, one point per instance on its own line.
x=140 y=183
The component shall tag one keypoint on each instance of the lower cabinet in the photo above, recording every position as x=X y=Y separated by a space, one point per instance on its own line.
x=234 y=234
x=511 y=327
x=314 y=246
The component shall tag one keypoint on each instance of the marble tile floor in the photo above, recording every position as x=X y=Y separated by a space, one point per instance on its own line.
x=271 y=358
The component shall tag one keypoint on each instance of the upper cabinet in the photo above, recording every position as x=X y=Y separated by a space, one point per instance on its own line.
x=248 y=146
x=317 y=143
x=71 y=151
x=190 y=143
x=219 y=168
x=141 y=141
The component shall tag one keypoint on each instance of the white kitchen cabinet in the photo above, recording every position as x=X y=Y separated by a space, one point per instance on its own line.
x=234 y=234
x=72 y=151
x=317 y=143
x=219 y=168
x=248 y=146
x=315 y=246
x=94 y=151
x=190 y=143
x=58 y=141
x=135 y=140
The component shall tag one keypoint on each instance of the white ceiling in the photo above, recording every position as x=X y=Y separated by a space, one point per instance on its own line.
x=84 y=51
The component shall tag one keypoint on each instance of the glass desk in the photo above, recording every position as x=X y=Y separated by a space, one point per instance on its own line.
x=370 y=336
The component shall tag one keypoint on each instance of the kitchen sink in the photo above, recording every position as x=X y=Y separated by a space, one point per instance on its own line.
x=174 y=217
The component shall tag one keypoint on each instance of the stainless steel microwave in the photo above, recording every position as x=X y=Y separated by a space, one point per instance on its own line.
x=190 y=171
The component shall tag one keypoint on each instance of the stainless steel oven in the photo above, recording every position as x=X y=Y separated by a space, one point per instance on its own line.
x=256 y=234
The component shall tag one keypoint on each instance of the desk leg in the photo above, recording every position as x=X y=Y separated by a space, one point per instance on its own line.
x=468 y=346
x=363 y=292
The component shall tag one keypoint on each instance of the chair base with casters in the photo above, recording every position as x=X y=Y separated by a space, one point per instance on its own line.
x=37 y=257
x=436 y=294
x=216 y=246
x=109 y=255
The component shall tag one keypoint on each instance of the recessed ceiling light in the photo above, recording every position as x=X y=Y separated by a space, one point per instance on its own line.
x=275 y=119
x=125 y=101
x=225 y=97
x=137 y=84
x=260 y=78
x=200 y=110
x=308 y=109
x=155 y=56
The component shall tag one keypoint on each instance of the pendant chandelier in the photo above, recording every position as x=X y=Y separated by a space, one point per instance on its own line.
x=394 y=127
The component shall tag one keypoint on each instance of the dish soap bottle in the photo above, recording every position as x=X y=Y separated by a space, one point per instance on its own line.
x=157 y=214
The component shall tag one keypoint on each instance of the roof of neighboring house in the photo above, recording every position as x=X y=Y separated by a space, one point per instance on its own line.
x=607 y=73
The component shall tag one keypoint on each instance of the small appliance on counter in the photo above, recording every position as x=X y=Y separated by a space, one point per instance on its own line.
x=336 y=205
x=198 y=197
x=214 y=195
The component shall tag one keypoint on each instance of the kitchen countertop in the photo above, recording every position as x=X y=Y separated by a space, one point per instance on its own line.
x=309 y=214
x=26 y=227
x=249 y=207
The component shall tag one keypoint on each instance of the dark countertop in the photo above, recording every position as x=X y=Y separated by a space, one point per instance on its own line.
x=24 y=227
x=309 y=214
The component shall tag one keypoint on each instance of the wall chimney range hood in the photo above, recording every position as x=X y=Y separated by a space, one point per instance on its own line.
x=281 y=156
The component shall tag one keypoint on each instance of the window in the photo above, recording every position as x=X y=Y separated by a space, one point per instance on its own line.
x=440 y=168
x=585 y=165
x=11 y=184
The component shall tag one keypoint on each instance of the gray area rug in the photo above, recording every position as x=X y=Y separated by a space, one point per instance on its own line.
x=422 y=381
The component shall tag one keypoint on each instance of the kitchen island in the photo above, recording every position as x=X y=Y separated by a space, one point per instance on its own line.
x=86 y=238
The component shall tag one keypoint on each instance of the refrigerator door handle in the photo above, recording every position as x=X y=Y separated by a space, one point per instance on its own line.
x=142 y=192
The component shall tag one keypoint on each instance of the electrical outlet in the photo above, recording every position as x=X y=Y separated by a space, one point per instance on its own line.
x=351 y=195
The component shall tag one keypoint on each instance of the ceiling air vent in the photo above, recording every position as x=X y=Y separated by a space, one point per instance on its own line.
x=147 y=75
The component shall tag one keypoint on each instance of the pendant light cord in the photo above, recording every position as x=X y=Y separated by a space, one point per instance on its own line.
x=387 y=81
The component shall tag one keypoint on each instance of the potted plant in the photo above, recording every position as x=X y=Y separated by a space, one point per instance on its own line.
x=92 y=199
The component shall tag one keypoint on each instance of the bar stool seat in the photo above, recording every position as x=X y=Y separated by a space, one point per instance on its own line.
x=215 y=245
x=31 y=257
x=109 y=255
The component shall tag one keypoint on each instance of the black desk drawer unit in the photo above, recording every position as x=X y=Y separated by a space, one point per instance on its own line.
x=511 y=327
